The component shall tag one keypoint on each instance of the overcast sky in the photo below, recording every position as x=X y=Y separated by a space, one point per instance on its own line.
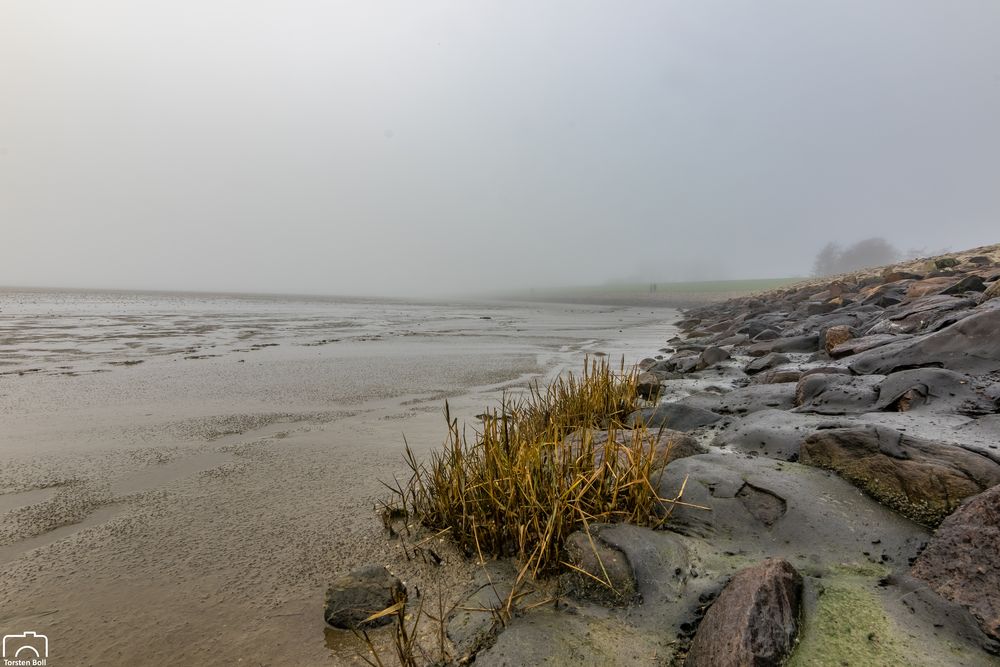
x=426 y=147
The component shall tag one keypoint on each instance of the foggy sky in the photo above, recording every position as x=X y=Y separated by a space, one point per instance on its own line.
x=427 y=147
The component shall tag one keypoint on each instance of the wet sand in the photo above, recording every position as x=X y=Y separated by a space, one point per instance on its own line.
x=182 y=475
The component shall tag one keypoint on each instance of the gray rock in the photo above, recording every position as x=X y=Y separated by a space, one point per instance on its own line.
x=355 y=596
x=766 y=362
x=746 y=400
x=806 y=343
x=766 y=335
x=773 y=433
x=599 y=573
x=777 y=376
x=837 y=394
x=970 y=346
x=711 y=356
x=865 y=343
x=971 y=283
x=666 y=443
x=674 y=416
x=932 y=389
x=825 y=521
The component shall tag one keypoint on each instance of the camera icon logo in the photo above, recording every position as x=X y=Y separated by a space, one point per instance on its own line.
x=26 y=645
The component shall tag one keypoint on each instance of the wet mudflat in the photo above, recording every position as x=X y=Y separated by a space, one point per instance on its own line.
x=182 y=475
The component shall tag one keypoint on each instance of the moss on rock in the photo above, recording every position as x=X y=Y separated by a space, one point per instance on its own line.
x=849 y=627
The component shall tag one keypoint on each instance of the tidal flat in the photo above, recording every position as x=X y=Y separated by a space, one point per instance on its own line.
x=183 y=474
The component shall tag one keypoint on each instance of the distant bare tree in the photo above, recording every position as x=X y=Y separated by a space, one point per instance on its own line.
x=827 y=260
x=864 y=254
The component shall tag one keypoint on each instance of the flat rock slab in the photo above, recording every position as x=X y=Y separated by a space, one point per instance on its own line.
x=962 y=562
x=550 y=636
x=932 y=389
x=969 y=346
x=921 y=479
x=865 y=343
x=812 y=518
x=746 y=400
x=807 y=343
x=754 y=621
x=766 y=362
x=836 y=394
x=675 y=416
x=773 y=433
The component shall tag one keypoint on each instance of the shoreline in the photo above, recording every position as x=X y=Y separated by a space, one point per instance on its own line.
x=848 y=432
x=152 y=496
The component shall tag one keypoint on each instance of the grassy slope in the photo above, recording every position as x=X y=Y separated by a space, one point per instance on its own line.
x=666 y=293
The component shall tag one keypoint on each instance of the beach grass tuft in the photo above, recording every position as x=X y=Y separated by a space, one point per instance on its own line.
x=532 y=473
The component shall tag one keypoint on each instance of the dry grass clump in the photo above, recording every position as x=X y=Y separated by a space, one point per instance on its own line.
x=520 y=485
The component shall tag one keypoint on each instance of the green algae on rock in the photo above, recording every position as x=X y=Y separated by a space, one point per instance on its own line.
x=849 y=627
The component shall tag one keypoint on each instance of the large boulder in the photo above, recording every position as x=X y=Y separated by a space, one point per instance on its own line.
x=969 y=346
x=361 y=593
x=674 y=416
x=921 y=479
x=925 y=314
x=754 y=621
x=962 y=562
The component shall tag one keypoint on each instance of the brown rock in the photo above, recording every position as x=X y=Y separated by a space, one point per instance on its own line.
x=754 y=621
x=961 y=562
x=993 y=291
x=929 y=286
x=891 y=275
x=837 y=289
x=920 y=479
x=836 y=336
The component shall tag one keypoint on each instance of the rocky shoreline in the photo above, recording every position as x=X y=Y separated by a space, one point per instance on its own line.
x=838 y=448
